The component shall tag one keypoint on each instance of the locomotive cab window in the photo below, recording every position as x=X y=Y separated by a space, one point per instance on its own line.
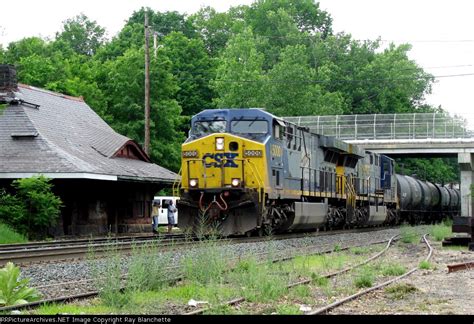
x=278 y=129
x=205 y=127
x=253 y=126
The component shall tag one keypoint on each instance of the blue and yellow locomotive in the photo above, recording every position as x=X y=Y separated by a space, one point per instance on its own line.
x=245 y=171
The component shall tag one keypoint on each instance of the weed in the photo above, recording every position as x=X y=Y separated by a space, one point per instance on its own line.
x=13 y=290
x=359 y=250
x=108 y=276
x=365 y=278
x=301 y=291
x=425 y=265
x=337 y=248
x=144 y=258
x=206 y=264
x=288 y=310
x=8 y=235
x=258 y=282
x=319 y=280
x=399 y=291
x=393 y=269
x=439 y=232
x=408 y=234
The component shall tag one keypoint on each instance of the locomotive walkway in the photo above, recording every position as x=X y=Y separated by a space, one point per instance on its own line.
x=397 y=135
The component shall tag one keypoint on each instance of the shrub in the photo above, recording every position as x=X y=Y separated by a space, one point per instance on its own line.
x=33 y=209
x=13 y=290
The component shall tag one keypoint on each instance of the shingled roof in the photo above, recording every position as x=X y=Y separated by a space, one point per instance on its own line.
x=43 y=132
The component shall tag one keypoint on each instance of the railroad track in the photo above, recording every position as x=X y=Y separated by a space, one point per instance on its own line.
x=78 y=249
x=239 y=300
x=315 y=249
x=326 y=309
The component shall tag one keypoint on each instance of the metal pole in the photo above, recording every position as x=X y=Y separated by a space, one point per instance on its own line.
x=155 y=43
x=147 y=88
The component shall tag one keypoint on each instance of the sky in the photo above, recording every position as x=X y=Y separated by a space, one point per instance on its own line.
x=441 y=32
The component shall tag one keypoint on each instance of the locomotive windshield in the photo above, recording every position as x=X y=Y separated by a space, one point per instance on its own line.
x=201 y=128
x=249 y=126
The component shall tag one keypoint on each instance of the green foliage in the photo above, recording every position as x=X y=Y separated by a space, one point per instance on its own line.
x=400 y=291
x=8 y=235
x=82 y=35
x=206 y=264
x=365 y=278
x=438 y=170
x=108 y=278
x=258 y=282
x=144 y=258
x=425 y=265
x=441 y=231
x=281 y=55
x=393 y=269
x=13 y=290
x=408 y=234
x=33 y=209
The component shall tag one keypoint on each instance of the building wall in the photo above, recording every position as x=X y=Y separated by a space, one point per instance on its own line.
x=94 y=207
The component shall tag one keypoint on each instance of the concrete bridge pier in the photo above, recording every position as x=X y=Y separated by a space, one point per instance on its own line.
x=464 y=226
x=465 y=161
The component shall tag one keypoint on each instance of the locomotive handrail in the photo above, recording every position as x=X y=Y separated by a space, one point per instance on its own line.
x=177 y=183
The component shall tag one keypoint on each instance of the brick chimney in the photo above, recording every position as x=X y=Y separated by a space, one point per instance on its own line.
x=8 y=83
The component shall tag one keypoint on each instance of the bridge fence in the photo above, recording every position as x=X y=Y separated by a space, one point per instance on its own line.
x=387 y=126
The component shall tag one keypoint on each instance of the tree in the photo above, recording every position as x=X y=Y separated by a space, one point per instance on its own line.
x=291 y=90
x=216 y=28
x=193 y=69
x=124 y=90
x=306 y=14
x=82 y=35
x=239 y=78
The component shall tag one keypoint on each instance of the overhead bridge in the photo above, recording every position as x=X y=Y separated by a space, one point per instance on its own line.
x=406 y=135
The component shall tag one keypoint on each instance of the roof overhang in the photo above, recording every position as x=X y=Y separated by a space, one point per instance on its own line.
x=59 y=175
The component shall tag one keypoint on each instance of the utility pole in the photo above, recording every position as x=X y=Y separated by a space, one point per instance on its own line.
x=155 y=42
x=147 y=88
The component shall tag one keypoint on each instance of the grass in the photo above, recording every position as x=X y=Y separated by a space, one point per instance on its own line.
x=441 y=231
x=206 y=263
x=8 y=235
x=72 y=309
x=259 y=282
x=400 y=291
x=408 y=234
x=393 y=269
x=365 y=278
x=425 y=265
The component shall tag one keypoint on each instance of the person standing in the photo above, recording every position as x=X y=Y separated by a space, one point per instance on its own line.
x=155 y=213
x=171 y=211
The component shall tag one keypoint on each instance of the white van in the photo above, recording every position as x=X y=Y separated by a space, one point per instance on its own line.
x=164 y=202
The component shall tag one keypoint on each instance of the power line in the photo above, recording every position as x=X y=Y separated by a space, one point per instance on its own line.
x=309 y=81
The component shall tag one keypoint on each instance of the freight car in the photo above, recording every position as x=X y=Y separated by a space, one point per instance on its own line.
x=246 y=171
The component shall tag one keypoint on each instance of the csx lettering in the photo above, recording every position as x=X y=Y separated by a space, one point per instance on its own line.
x=216 y=160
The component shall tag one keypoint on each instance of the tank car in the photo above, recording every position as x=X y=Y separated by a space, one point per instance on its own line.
x=424 y=201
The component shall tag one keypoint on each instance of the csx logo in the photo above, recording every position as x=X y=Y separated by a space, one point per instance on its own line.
x=216 y=160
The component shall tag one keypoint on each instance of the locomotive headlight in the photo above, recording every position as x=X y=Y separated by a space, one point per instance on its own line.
x=235 y=182
x=189 y=154
x=193 y=182
x=219 y=143
x=253 y=153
